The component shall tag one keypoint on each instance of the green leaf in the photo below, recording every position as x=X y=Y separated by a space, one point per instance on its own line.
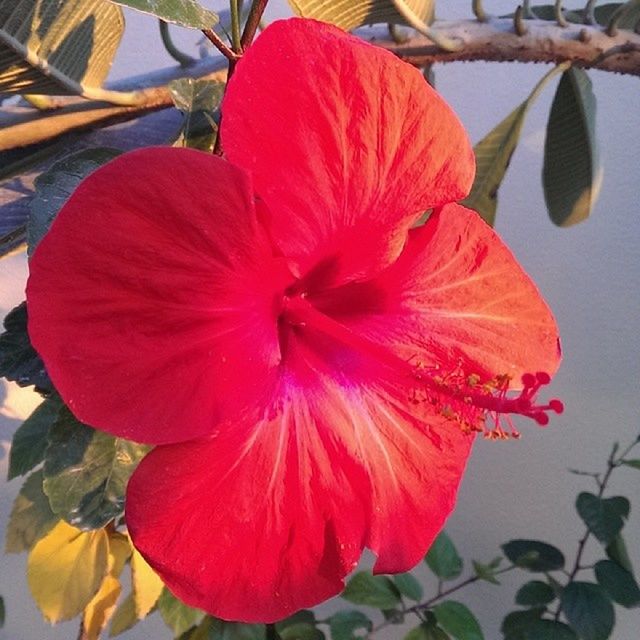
x=616 y=550
x=516 y=623
x=409 y=586
x=54 y=186
x=493 y=155
x=18 y=360
x=458 y=621
x=427 y=632
x=549 y=630
x=603 y=516
x=2 y=612
x=485 y=572
x=618 y=583
x=186 y=13
x=374 y=591
x=535 y=593
x=349 y=625
x=443 y=558
x=57 y=46
x=197 y=99
x=177 y=615
x=222 y=630
x=30 y=439
x=588 y=610
x=124 y=618
x=31 y=516
x=86 y=472
x=571 y=174
x=350 y=14
x=533 y=555
x=299 y=626
x=634 y=464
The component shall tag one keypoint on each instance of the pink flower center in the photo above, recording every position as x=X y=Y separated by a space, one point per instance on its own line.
x=485 y=406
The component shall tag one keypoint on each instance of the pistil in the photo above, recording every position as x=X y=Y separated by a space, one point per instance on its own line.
x=476 y=405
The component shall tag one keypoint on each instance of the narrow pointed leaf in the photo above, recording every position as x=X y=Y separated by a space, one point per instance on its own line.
x=571 y=174
x=57 y=46
x=350 y=14
x=147 y=585
x=493 y=156
x=186 y=13
x=124 y=617
x=588 y=610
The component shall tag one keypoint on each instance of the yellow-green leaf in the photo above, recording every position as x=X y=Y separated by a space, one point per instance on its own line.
x=147 y=585
x=350 y=14
x=99 y=611
x=57 y=47
x=124 y=618
x=66 y=569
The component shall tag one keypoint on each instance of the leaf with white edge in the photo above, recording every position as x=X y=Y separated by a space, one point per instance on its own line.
x=65 y=570
x=30 y=439
x=603 y=516
x=549 y=630
x=616 y=550
x=443 y=558
x=19 y=361
x=409 y=586
x=57 y=47
x=572 y=173
x=618 y=583
x=54 y=186
x=350 y=14
x=458 y=621
x=186 y=13
x=588 y=610
x=494 y=152
x=98 y=612
x=374 y=591
x=197 y=99
x=31 y=516
x=349 y=625
x=177 y=615
x=534 y=594
x=86 y=472
x=147 y=585
x=124 y=617
x=534 y=555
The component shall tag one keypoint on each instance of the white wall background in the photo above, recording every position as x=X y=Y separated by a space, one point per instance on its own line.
x=590 y=274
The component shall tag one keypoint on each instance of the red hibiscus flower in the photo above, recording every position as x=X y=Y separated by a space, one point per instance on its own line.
x=312 y=368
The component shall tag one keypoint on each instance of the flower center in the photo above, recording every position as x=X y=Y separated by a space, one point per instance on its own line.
x=485 y=406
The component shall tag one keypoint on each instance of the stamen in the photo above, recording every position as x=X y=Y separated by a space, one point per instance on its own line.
x=476 y=405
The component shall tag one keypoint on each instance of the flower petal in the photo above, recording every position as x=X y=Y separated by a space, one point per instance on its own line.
x=455 y=295
x=271 y=518
x=153 y=284
x=346 y=143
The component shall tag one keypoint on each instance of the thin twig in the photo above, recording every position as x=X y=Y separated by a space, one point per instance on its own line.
x=219 y=44
x=253 y=22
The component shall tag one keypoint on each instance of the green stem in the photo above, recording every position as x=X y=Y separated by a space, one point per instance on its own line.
x=236 y=38
x=417 y=609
